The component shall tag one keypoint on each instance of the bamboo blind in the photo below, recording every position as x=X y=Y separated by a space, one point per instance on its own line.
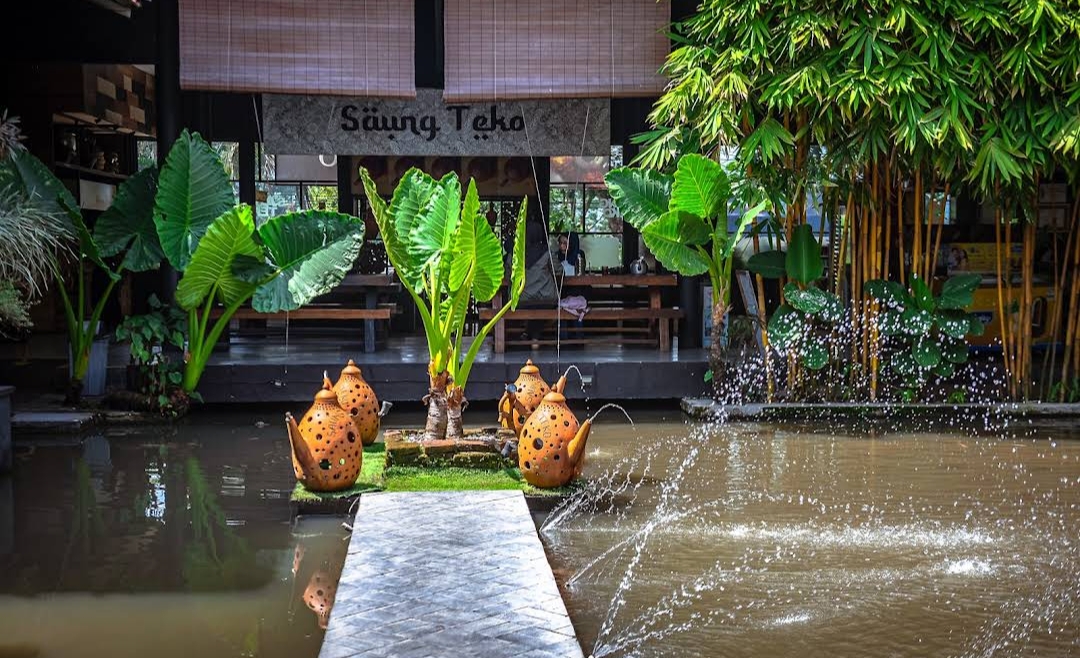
x=505 y=49
x=340 y=47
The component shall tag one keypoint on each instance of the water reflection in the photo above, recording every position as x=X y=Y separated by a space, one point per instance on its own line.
x=762 y=540
x=174 y=541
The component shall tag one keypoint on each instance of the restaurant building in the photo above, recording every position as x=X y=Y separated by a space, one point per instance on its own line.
x=529 y=99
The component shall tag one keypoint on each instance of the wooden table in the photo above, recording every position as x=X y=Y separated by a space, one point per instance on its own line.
x=652 y=283
x=371 y=285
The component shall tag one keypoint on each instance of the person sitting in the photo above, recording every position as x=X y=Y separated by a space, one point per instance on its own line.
x=573 y=301
x=540 y=290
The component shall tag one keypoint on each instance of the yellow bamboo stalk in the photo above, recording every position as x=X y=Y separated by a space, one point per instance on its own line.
x=1000 y=270
x=916 y=242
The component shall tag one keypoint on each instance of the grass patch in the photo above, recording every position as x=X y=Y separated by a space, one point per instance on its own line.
x=370 y=478
x=414 y=478
x=374 y=476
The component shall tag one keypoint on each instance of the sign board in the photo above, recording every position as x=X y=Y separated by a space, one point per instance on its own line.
x=313 y=125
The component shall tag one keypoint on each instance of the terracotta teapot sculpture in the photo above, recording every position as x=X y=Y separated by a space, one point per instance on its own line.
x=326 y=448
x=551 y=448
x=358 y=398
x=523 y=396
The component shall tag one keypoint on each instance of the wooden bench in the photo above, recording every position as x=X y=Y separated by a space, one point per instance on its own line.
x=324 y=312
x=661 y=316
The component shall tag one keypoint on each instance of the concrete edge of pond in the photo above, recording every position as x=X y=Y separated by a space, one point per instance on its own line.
x=346 y=505
x=708 y=409
x=76 y=421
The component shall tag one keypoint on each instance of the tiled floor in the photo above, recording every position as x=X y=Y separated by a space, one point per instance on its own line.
x=447 y=574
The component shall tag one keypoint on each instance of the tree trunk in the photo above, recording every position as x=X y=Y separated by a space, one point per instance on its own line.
x=716 y=350
x=435 y=429
x=455 y=404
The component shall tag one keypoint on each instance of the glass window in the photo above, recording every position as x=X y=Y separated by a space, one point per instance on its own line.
x=146 y=151
x=321 y=197
x=273 y=199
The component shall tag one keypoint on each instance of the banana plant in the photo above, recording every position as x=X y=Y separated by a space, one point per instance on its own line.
x=225 y=260
x=683 y=219
x=446 y=255
x=124 y=231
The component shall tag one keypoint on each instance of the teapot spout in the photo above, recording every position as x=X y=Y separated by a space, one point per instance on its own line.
x=300 y=448
x=560 y=386
x=386 y=406
x=575 y=450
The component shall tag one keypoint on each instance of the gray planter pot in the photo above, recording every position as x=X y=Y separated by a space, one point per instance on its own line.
x=94 y=382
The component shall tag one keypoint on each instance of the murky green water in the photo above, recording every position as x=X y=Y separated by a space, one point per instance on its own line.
x=758 y=540
x=167 y=542
x=745 y=540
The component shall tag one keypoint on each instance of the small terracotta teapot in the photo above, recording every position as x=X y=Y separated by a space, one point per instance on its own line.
x=523 y=396
x=326 y=448
x=358 y=398
x=551 y=448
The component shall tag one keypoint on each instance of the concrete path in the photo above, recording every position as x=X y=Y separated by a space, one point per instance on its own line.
x=447 y=574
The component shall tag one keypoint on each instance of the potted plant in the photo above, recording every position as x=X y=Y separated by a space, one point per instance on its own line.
x=156 y=342
x=446 y=255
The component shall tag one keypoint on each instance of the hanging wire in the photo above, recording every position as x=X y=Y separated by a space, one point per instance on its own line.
x=551 y=259
x=258 y=163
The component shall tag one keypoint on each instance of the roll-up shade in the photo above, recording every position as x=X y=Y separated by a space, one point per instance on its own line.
x=504 y=49
x=339 y=47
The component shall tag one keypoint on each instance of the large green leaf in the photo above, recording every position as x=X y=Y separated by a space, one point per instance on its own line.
x=701 y=187
x=955 y=352
x=669 y=238
x=769 y=264
x=313 y=251
x=786 y=326
x=926 y=352
x=958 y=291
x=732 y=241
x=815 y=356
x=433 y=233
x=477 y=252
x=517 y=261
x=641 y=195
x=803 y=262
x=395 y=243
x=916 y=322
x=128 y=224
x=23 y=173
x=889 y=292
x=924 y=297
x=230 y=237
x=410 y=199
x=193 y=191
x=955 y=324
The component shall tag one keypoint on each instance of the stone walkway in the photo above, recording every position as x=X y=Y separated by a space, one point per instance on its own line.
x=447 y=574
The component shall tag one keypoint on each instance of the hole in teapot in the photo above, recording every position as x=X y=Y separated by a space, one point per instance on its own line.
x=325 y=464
x=538 y=444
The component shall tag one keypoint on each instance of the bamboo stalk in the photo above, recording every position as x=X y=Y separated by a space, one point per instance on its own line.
x=941 y=229
x=901 y=258
x=916 y=242
x=1074 y=296
x=1003 y=324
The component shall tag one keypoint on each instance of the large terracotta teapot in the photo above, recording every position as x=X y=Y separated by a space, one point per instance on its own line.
x=326 y=448
x=358 y=398
x=524 y=395
x=551 y=448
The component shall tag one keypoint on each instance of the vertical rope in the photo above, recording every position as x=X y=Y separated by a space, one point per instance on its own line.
x=551 y=261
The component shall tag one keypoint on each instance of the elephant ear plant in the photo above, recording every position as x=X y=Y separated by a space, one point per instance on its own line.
x=123 y=234
x=925 y=334
x=803 y=323
x=683 y=219
x=446 y=255
x=225 y=260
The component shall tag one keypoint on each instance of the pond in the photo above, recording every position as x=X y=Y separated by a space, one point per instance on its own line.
x=779 y=540
x=165 y=542
x=691 y=540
